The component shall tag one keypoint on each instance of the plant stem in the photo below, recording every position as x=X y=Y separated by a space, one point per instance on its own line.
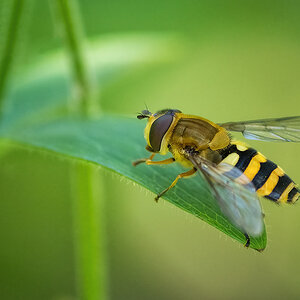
x=87 y=183
x=73 y=35
x=89 y=229
x=7 y=57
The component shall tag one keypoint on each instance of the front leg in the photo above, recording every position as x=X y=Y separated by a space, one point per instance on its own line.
x=148 y=161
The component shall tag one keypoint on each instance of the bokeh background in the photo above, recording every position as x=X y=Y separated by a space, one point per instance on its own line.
x=238 y=60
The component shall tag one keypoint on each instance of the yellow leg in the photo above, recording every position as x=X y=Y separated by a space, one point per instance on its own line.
x=161 y=162
x=143 y=160
x=182 y=175
x=148 y=161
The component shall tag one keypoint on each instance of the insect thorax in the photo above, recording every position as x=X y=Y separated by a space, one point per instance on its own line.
x=203 y=137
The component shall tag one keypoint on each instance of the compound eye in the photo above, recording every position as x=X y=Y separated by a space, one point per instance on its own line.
x=158 y=130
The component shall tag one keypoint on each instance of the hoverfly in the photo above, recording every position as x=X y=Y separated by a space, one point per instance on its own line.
x=236 y=174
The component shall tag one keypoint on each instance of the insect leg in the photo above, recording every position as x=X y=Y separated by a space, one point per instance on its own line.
x=148 y=161
x=143 y=160
x=161 y=162
x=247 y=244
x=182 y=175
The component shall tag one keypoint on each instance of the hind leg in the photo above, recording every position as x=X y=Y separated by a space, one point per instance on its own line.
x=247 y=244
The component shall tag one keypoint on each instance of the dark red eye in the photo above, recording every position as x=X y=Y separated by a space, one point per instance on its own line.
x=158 y=130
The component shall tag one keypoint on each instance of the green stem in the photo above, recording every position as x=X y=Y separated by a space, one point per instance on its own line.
x=9 y=46
x=89 y=229
x=87 y=183
x=73 y=36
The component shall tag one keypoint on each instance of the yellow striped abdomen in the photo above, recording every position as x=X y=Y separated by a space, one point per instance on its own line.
x=269 y=180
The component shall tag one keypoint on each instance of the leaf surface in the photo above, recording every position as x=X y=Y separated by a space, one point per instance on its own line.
x=114 y=143
x=35 y=114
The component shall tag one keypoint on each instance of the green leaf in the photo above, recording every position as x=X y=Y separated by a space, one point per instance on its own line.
x=35 y=115
x=114 y=143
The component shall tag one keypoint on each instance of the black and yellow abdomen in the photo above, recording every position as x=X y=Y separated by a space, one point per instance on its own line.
x=269 y=180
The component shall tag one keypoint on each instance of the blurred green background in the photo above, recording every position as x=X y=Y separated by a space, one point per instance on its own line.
x=237 y=60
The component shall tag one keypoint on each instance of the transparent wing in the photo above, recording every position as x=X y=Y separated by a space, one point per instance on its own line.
x=235 y=194
x=270 y=130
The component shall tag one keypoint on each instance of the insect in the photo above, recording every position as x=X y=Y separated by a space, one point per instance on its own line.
x=236 y=174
